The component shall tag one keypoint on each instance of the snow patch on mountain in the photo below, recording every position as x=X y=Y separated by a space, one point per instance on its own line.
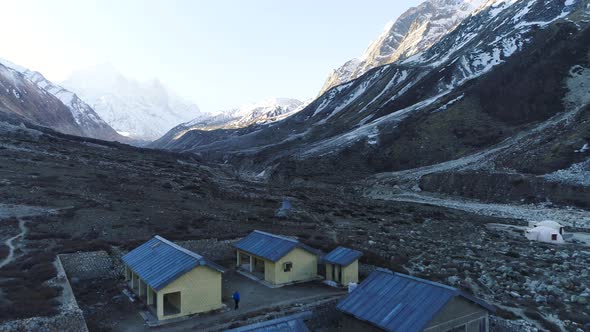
x=399 y=77
x=449 y=103
x=367 y=131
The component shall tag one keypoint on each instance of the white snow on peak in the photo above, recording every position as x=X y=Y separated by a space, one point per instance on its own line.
x=143 y=110
x=265 y=111
x=413 y=32
x=267 y=104
x=91 y=124
x=11 y=65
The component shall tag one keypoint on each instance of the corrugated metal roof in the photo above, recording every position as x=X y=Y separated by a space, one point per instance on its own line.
x=158 y=262
x=342 y=256
x=292 y=323
x=399 y=302
x=270 y=246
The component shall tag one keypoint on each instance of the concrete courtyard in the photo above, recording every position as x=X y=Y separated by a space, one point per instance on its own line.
x=256 y=299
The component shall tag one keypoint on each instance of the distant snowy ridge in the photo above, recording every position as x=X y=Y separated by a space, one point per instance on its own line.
x=139 y=110
x=264 y=111
x=257 y=113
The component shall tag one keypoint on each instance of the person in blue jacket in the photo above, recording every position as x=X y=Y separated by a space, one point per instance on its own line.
x=236 y=297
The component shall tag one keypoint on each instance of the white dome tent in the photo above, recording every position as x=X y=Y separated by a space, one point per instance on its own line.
x=551 y=224
x=544 y=234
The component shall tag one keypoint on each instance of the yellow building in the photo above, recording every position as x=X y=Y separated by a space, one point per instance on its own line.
x=171 y=280
x=342 y=265
x=276 y=259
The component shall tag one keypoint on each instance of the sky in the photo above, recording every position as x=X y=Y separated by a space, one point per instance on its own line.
x=219 y=54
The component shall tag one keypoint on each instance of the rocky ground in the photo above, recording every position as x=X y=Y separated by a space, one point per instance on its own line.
x=113 y=197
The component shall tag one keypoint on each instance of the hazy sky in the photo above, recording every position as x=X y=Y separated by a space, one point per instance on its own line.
x=217 y=53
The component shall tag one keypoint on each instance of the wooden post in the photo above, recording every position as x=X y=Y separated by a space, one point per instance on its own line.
x=251 y=263
x=238 y=258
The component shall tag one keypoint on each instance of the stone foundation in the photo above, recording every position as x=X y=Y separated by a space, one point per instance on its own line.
x=88 y=265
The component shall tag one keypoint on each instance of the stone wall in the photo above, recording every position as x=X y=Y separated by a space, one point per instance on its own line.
x=366 y=269
x=498 y=324
x=88 y=265
x=67 y=321
x=211 y=248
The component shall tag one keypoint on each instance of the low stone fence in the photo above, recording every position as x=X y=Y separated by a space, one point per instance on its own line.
x=99 y=264
x=212 y=249
x=88 y=265
x=498 y=324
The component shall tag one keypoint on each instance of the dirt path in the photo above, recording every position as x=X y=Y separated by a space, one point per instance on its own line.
x=9 y=243
x=19 y=211
x=581 y=238
x=564 y=216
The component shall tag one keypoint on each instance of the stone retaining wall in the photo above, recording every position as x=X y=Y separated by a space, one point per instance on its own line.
x=498 y=324
x=210 y=248
x=88 y=265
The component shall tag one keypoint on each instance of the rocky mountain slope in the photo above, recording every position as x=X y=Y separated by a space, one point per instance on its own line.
x=414 y=31
x=22 y=99
x=96 y=195
x=89 y=123
x=252 y=114
x=142 y=111
x=510 y=80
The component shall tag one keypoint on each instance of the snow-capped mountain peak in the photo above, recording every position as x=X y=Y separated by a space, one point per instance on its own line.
x=142 y=110
x=264 y=111
x=248 y=115
x=268 y=104
x=90 y=123
x=414 y=31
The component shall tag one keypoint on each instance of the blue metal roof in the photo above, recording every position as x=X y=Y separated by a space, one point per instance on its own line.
x=399 y=302
x=270 y=246
x=342 y=256
x=292 y=323
x=159 y=262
